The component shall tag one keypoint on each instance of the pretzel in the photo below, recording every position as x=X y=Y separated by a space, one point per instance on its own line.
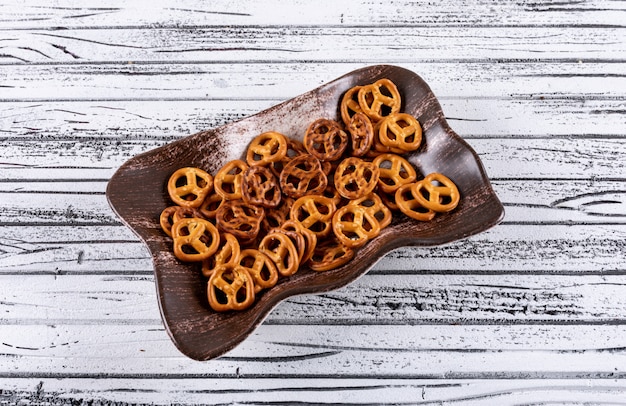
x=260 y=187
x=374 y=204
x=227 y=253
x=210 y=205
x=189 y=186
x=282 y=251
x=303 y=175
x=294 y=148
x=350 y=104
x=309 y=237
x=437 y=193
x=228 y=179
x=400 y=131
x=194 y=239
x=395 y=171
x=408 y=204
x=166 y=219
x=355 y=178
x=240 y=219
x=296 y=237
x=314 y=213
x=354 y=225
x=230 y=288
x=260 y=267
x=379 y=99
x=325 y=140
x=266 y=148
x=276 y=216
x=389 y=200
x=361 y=134
x=330 y=254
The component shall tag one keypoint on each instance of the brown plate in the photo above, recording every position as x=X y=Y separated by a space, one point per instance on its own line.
x=137 y=192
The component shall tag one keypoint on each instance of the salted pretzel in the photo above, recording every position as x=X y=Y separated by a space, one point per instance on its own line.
x=330 y=254
x=400 y=131
x=240 y=219
x=228 y=179
x=210 y=205
x=260 y=267
x=325 y=140
x=194 y=239
x=379 y=99
x=374 y=204
x=437 y=193
x=260 y=187
x=296 y=238
x=361 y=134
x=354 y=225
x=303 y=175
x=309 y=237
x=189 y=186
x=355 y=178
x=406 y=200
x=314 y=213
x=395 y=171
x=266 y=148
x=227 y=253
x=230 y=288
x=282 y=251
x=350 y=104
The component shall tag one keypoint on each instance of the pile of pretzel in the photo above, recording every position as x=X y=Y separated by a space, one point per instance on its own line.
x=292 y=204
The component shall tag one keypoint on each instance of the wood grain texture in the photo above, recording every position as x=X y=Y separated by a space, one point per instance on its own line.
x=527 y=313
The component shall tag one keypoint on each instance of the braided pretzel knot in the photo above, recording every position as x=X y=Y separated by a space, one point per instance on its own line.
x=350 y=104
x=227 y=253
x=354 y=225
x=240 y=219
x=228 y=179
x=266 y=148
x=361 y=134
x=374 y=204
x=437 y=193
x=194 y=239
x=282 y=251
x=400 y=131
x=356 y=178
x=395 y=171
x=260 y=267
x=375 y=103
x=330 y=254
x=260 y=187
x=325 y=140
x=314 y=213
x=303 y=175
x=406 y=200
x=189 y=186
x=230 y=288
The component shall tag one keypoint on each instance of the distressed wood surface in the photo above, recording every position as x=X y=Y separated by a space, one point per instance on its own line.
x=529 y=312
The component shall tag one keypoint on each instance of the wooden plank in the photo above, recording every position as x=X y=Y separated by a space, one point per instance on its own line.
x=71 y=13
x=365 y=44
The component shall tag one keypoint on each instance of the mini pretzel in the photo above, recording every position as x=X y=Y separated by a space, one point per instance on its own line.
x=314 y=213
x=266 y=148
x=309 y=237
x=379 y=99
x=437 y=192
x=395 y=171
x=189 y=186
x=374 y=204
x=210 y=205
x=361 y=134
x=408 y=204
x=194 y=239
x=330 y=254
x=230 y=288
x=228 y=179
x=294 y=148
x=260 y=187
x=296 y=238
x=354 y=225
x=282 y=251
x=303 y=175
x=227 y=253
x=240 y=219
x=400 y=131
x=356 y=178
x=350 y=104
x=166 y=219
x=260 y=267
x=325 y=140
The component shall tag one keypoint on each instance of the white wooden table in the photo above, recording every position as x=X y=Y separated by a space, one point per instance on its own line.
x=531 y=312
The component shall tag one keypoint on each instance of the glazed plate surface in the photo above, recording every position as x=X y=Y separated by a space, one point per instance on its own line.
x=137 y=193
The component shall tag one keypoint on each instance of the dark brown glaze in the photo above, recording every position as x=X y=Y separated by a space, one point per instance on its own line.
x=137 y=192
